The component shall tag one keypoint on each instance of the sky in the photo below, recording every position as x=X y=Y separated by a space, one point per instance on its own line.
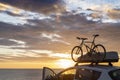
x=38 y=33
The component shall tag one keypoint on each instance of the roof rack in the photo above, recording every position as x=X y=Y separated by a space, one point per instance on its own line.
x=110 y=57
x=94 y=64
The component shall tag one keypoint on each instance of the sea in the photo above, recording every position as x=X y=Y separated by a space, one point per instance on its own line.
x=22 y=74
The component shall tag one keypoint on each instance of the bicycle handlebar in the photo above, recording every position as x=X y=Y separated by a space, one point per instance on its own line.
x=77 y=37
x=81 y=38
x=96 y=35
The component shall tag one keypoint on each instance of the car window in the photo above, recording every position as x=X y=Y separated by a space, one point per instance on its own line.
x=85 y=74
x=115 y=75
x=68 y=74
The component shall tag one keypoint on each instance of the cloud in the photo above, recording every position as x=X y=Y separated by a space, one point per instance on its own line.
x=16 y=16
x=37 y=6
x=42 y=51
x=4 y=41
x=114 y=14
x=12 y=43
x=10 y=52
x=92 y=12
x=30 y=55
x=50 y=36
x=48 y=53
x=54 y=38
x=61 y=55
x=10 y=19
x=18 y=41
x=98 y=8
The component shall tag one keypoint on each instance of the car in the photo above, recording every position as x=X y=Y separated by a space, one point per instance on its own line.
x=89 y=71
x=84 y=72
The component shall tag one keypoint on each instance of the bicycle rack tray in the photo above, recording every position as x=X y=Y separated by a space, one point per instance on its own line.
x=111 y=56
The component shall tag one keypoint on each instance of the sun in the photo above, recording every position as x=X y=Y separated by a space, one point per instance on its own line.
x=64 y=63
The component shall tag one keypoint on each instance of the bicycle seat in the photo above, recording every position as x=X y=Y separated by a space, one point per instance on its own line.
x=96 y=35
x=82 y=38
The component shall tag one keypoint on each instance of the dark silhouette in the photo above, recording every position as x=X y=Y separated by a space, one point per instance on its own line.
x=96 y=51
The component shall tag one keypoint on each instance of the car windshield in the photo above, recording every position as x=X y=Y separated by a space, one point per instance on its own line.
x=115 y=75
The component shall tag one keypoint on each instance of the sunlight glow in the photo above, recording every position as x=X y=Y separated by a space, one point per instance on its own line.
x=64 y=63
x=61 y=55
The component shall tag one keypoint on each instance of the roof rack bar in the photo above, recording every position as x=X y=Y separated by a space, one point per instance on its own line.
x=110 y=64
x=76 y=64
x=94 y=63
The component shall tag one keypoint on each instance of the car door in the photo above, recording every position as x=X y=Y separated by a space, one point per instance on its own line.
x=87 y=74
x=48 y=74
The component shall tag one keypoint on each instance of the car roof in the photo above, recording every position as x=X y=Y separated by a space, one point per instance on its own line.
x=99 y=67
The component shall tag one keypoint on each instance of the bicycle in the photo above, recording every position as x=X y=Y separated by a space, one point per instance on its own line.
x=92 y=50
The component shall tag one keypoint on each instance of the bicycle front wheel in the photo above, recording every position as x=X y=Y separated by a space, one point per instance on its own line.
x=76 y=53
x=99 y=53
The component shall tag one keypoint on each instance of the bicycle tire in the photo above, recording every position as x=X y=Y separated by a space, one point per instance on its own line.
x=76 y=52
x=98 y=55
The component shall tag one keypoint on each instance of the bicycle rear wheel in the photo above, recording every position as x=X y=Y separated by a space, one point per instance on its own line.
x=76 y=53
x=99 y=53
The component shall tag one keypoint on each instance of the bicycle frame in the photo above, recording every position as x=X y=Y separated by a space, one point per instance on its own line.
x=88 y=48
